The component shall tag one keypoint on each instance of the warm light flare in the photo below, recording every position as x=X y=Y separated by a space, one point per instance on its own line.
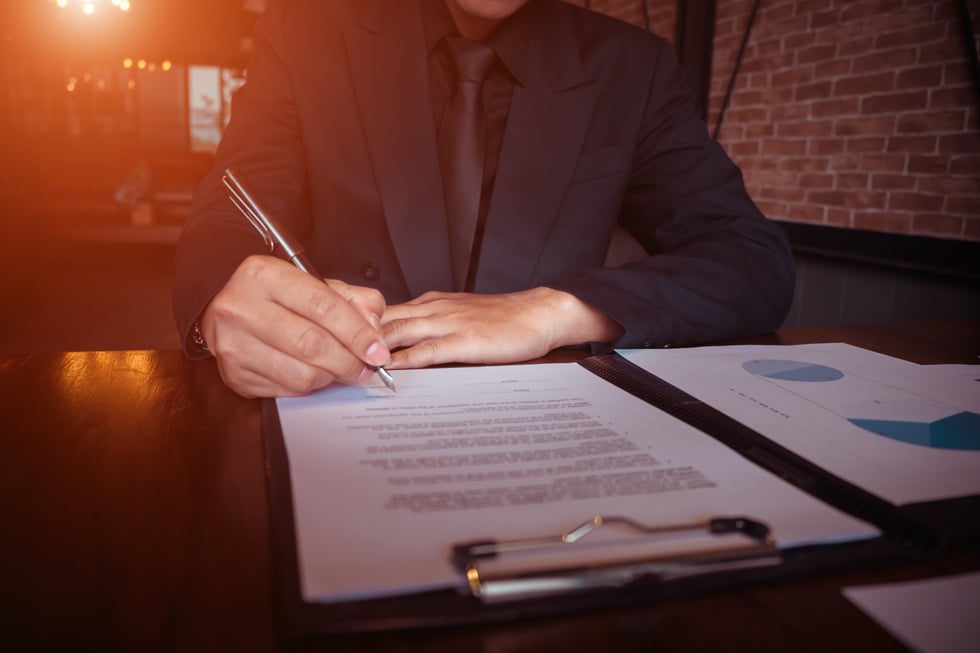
x=89 y=6
x=149 y=66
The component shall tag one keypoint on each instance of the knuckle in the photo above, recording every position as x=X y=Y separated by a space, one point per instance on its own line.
x=253 y=267
x=428 y=350
x=393 y=327
x=320 y=303
x=308 y=343
x=374 y=297
x=337 y=285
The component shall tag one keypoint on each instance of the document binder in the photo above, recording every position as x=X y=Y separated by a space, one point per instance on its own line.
x=495 y=592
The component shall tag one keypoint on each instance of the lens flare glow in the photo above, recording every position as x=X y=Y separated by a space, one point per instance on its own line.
x=88 y=7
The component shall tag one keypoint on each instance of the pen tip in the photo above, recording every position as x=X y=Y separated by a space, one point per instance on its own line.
x=386 y=378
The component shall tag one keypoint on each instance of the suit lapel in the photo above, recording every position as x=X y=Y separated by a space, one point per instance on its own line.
x=545 y=130
x=388 y=65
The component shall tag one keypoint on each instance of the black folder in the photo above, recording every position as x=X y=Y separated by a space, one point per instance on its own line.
x=909 y=532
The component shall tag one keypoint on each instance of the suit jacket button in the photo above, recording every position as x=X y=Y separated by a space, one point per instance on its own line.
x=370 y=271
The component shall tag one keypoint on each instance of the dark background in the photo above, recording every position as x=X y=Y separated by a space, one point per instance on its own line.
x=82 y=271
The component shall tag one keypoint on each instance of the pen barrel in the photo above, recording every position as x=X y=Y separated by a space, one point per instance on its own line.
x=280 y=240
x=303 y=262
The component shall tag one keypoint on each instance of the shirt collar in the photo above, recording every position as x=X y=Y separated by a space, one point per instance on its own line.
x=512 y=41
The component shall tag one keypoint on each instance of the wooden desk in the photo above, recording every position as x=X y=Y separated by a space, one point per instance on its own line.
x=134 y=517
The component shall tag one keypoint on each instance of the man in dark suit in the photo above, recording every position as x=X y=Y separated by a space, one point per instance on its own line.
x=588 y=125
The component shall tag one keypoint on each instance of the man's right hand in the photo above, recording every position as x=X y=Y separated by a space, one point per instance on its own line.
x=276 y=331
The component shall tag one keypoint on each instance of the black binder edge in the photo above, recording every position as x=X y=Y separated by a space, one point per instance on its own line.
x=924 y=528
x=299 y=620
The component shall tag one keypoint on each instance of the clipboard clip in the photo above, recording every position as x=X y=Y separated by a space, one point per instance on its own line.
x=573 y=561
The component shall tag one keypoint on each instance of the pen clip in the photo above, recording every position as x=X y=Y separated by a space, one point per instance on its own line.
x=246 y=205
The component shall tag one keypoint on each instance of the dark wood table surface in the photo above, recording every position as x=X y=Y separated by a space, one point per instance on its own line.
x=134 y=517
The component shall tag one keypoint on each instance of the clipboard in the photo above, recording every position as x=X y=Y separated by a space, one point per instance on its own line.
x=589 y=586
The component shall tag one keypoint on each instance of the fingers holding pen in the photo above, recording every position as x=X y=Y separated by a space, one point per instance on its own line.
x=258 y=370
x=351 y=323
x=274 y=327
x=368 y=302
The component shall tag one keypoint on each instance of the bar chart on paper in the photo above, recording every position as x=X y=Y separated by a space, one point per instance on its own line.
x=903 y=431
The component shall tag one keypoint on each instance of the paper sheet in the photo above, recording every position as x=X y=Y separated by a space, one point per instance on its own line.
x=939 y=615
x=902 y=431
x=384 y=484
x=967 y=374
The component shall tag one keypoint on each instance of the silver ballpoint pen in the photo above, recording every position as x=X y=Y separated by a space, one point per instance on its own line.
x=279 y=241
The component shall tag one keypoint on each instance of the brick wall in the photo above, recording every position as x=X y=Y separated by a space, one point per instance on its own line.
x=849 y=113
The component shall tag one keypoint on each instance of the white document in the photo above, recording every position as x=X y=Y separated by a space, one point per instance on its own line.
x=384 y=484
x=961 y=373
x=905 y=432
x=938 y=615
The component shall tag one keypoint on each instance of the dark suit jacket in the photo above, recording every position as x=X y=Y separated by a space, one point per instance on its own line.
x=334 y=130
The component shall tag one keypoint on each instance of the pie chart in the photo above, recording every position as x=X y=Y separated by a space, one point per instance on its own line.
x=910 y=420
x=918 y=422
x=787 y=370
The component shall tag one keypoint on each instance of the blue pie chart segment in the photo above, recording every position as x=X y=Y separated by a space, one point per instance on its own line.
x=920 y=423
x=787 y=370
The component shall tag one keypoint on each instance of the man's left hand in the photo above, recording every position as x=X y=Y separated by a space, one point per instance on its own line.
x=440 y=327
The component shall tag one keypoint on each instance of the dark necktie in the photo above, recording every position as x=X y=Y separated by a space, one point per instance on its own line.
x=462 y=143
